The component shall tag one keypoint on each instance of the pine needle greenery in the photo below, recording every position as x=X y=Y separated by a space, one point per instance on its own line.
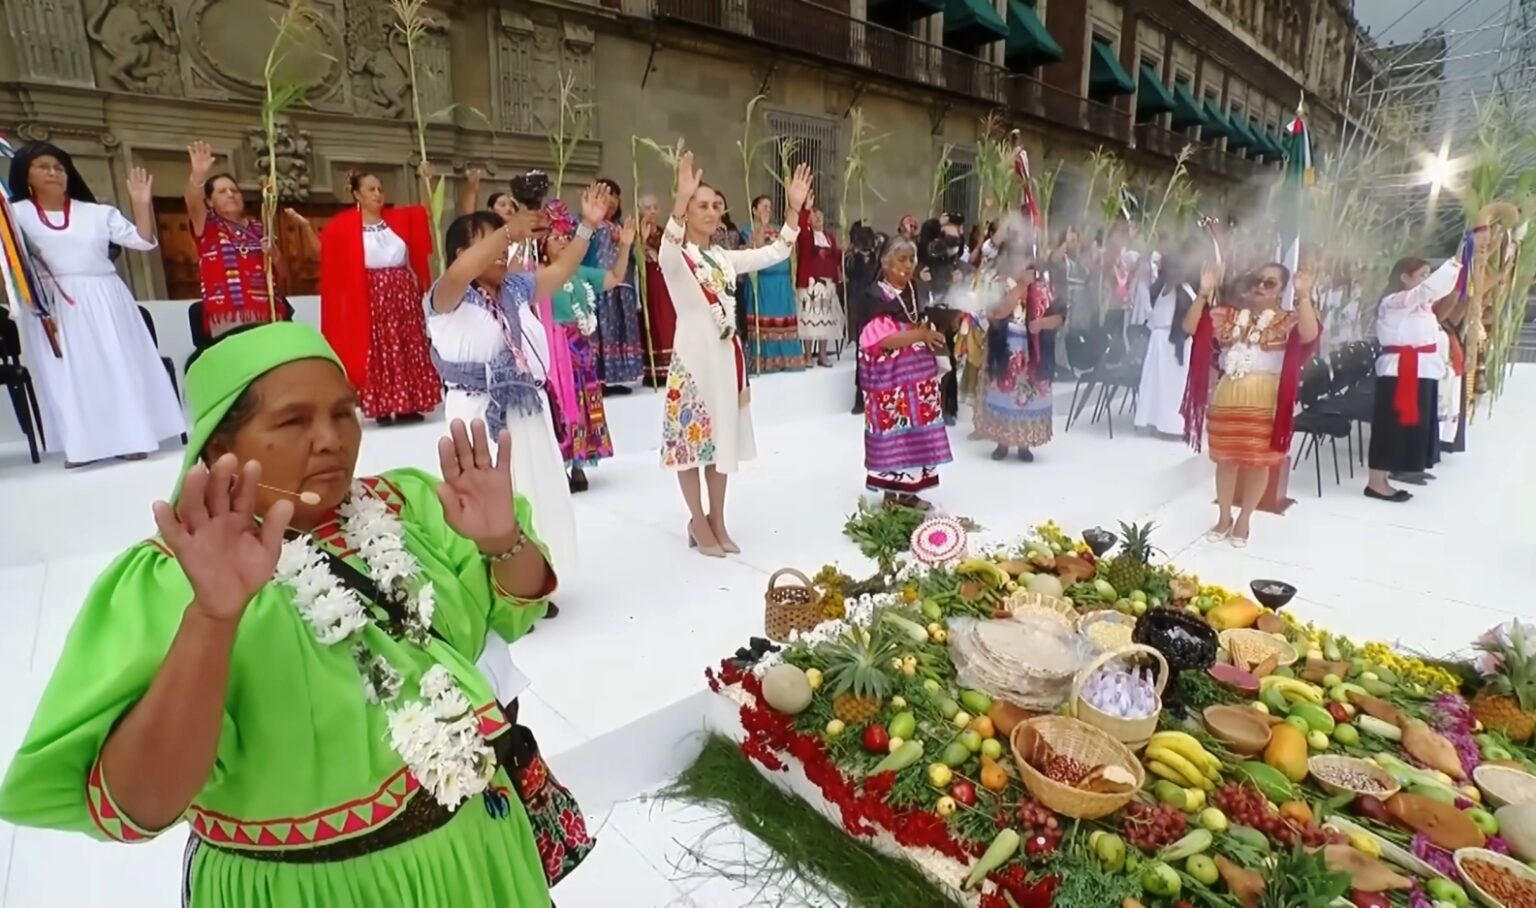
x=296 y=28
x=804 y=847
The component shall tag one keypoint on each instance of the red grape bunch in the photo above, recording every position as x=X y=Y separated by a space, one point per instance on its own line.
x=1150 y=827
x=1248 y=807
x=1042 y=831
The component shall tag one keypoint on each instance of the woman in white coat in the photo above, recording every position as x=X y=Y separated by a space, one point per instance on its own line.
x=707 y=416
x=1166 y=368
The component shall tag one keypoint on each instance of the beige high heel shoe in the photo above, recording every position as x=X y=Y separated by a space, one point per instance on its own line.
x=712 y=551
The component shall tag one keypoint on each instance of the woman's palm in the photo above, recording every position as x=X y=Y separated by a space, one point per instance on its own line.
x=477 y=491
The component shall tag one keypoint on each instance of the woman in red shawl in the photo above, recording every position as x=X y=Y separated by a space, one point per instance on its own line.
x=1250 y=414
x=661 y=317
x=373 y=273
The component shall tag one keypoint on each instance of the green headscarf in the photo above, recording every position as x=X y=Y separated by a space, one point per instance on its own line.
x=223 y=371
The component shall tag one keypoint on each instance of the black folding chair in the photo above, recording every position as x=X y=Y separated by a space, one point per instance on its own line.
x=170 y=366
x=18 y=382
x=1086 y=349
x=1316 y=422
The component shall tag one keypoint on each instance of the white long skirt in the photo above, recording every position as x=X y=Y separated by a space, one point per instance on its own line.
x=1450 y=406
x=820 y=313
x=109 y=394
x=1162 y=385
x=538 y=474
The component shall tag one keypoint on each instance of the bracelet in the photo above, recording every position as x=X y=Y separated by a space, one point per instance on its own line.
x=583 y=232
x=509 y=554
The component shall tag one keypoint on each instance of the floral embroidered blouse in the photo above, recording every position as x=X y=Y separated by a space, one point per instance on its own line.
x=300 y=738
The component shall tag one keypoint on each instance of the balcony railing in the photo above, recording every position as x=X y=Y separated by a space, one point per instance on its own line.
x=1153 y=138
x=809 y=28
x=1031 y=96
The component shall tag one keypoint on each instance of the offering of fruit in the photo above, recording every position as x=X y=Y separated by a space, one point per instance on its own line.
x=857 y=673
x=1129 y=569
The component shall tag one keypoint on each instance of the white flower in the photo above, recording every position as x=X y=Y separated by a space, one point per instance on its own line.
x=296 y=556
x=313 y=581
x=450 y=705
x=436 y=682
x=426 y=604
x=409 y=724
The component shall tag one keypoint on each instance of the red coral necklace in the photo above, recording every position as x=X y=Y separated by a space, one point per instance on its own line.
x=43 y=216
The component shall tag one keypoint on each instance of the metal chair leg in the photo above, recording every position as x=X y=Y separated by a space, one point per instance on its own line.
x=1334 y=443
x=1317 y=461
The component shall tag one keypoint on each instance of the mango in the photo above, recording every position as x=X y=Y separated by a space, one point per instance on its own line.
x=1234 y=613
x=1287 y=752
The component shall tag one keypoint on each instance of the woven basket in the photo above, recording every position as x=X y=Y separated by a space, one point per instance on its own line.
x=1133 y=733
x=790 y=607
x=1020 y=599
x=1106 y=616
x=1088 y=745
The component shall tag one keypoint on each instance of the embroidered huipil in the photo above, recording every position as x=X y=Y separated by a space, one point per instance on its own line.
x=233 y=271
x=304 y=758
x=499 y=366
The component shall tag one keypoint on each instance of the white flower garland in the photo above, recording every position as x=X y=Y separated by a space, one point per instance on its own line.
x=1239 y=358
x=719 y=279
x=586 y=315
x=438 y=737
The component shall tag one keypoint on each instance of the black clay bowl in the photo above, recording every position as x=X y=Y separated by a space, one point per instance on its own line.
x=1272 y=593
x=1100 y=540
x=1188 y=643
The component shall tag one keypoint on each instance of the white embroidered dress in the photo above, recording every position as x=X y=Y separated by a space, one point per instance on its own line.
x=704 y=419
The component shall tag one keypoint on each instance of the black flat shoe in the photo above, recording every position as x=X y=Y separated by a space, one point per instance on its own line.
x=578 y=481
x=552 y=611
x=1398 y=497
x=1026 y=455
x=616 y=390
x=1000 y=453
x=410 y=418
x=1412 y=479
x=386 y=420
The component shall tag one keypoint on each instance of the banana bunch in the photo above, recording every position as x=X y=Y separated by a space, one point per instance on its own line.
x=1292 y=689
x=984 y=570
x=1180 y=758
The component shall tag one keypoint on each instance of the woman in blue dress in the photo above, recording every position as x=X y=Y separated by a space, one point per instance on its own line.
x=773 y=325
x=618 y=343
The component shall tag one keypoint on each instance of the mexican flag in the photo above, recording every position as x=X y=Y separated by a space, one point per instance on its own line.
x=1299 y=175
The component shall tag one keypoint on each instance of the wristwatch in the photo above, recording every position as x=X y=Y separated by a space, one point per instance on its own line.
x=583 y=232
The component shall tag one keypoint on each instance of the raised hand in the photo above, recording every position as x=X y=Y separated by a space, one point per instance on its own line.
x=688 y=179
x=799 y=188
x=594 y=204
x=525 y=222
x=141 y=186
x=1303 y=281
x=1210 y=278
x=296 y=219
x=627 y=233
x=201 y=156
x=476 y=491
x=227 y=556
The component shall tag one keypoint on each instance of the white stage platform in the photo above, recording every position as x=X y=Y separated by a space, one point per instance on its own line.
x=618 y=692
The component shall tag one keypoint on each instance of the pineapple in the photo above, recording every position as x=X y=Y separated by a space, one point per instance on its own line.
x=856 y=674
x=1509 y=692
x=1128 y=570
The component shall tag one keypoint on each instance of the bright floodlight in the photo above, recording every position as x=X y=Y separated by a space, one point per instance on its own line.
x=1438 y=170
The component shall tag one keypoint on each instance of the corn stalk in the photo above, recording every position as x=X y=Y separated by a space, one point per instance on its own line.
x=1178 y=180
x=669 y=155
x=1045 y=190
x=574 y=119
x=855 y=167
x=1099 y=162
x=941 y=179
x=280 y=93
x=411 y=24
x=996 y=180
x=750 y=150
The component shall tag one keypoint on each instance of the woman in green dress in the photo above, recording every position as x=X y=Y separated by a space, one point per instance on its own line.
x=290 y=665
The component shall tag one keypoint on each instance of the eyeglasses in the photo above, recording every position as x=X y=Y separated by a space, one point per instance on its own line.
x=1266 y=283
x=46 y=167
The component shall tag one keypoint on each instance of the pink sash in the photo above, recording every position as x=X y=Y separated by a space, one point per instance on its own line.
x=562 y=373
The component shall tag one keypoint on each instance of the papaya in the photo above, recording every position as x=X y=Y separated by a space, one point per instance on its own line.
x=1272 y=782
x=1287 y=752
x=1234 y=613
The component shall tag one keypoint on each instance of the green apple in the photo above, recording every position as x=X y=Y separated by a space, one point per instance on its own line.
x=1484 y=820
x=971 y=738
x=993 y=748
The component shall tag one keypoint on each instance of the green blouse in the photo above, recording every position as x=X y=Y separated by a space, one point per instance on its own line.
x=572 y=295
x=304 y=757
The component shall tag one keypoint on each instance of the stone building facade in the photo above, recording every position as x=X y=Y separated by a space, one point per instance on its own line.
x=121 y=83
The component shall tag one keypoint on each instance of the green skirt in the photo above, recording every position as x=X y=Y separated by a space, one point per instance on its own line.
x=475 y=861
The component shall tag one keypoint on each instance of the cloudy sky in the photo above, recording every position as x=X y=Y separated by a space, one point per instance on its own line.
x=1474 y=32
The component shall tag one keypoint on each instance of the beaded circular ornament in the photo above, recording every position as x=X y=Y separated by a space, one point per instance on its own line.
x=939 y=539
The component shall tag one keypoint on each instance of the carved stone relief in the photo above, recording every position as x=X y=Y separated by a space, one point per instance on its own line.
x=536 y=60
x=376 y=60
x=292 y=148
x=139 y=41
x=49 y=36
x=227 y=43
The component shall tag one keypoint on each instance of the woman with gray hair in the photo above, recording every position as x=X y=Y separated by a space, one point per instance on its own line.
x=905 y=441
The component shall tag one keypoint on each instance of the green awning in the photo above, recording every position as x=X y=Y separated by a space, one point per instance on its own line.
x=973 y=22
x=1266 y=145
x=1241 y=137
x=1186 y=110
x=1274 y=143
x=1105 y=74
x=1152 y=96
x=1029 y=44
x=1216 y=125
